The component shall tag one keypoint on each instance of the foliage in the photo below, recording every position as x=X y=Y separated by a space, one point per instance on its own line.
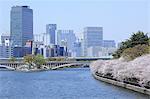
x=135 y=39
x=60 y=59
x=138 y=50
x=29 y=59
x=55 y=59
x=139 y=38
x=51 y=59
x=39 y=60
x=33 y=60
x=12 y=59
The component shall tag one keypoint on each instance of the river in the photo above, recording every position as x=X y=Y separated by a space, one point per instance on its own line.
x=71 y=83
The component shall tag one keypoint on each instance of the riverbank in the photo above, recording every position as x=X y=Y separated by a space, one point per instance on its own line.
x=134 y=74
x=122 y=84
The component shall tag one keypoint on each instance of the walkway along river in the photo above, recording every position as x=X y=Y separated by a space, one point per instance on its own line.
x=75 y=83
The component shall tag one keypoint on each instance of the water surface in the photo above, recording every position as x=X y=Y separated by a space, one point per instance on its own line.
x=73 y=83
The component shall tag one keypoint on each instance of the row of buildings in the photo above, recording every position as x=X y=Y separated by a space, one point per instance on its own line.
x=54 y=42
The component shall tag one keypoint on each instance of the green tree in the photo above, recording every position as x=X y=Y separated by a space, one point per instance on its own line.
x=39 y=60
x=139 y=38
x=135 y=39
x=29 y=59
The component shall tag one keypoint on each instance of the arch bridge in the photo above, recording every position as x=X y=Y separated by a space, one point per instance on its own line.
x=50 y=65
x=78 y=61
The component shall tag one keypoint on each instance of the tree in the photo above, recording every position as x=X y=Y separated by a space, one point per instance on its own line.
x=29 y=60
x=39 y=60
x=135 y=39
x=139 y=38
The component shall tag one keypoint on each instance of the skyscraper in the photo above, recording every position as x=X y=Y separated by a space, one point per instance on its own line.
x=92 y=36
x=51 y=29
x=67 y=36
x=21 y=25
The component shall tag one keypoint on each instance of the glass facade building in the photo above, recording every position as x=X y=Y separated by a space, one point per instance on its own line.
x=92 y=36
x=68 y=37
x=109 y=43
x=51 y=29
x=21 y=25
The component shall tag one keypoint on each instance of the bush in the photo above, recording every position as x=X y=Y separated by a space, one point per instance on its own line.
x=12 y=59
x=138 y=50
x=55 y=59
x=51 y=59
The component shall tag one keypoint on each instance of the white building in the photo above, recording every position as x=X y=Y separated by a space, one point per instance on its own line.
x=5 y=48
x=107 y=51
x=43 y=37
x=98 y=51
x=46 y=39
x=38 y=37
x=94 y=51
x=92 y=36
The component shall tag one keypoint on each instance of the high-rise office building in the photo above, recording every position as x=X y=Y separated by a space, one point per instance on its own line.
x=51 y=29
x=92 y=36
x=109 y=43
x=21 y=25
x=67 y=36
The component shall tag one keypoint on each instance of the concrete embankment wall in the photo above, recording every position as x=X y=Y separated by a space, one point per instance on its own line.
x=124 y=85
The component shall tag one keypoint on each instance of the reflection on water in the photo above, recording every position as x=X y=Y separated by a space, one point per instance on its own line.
x=75 y=83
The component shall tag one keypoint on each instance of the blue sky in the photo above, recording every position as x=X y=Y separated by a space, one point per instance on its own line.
x=119 y=18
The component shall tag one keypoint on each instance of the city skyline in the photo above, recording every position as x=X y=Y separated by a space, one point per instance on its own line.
x=117 y=22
